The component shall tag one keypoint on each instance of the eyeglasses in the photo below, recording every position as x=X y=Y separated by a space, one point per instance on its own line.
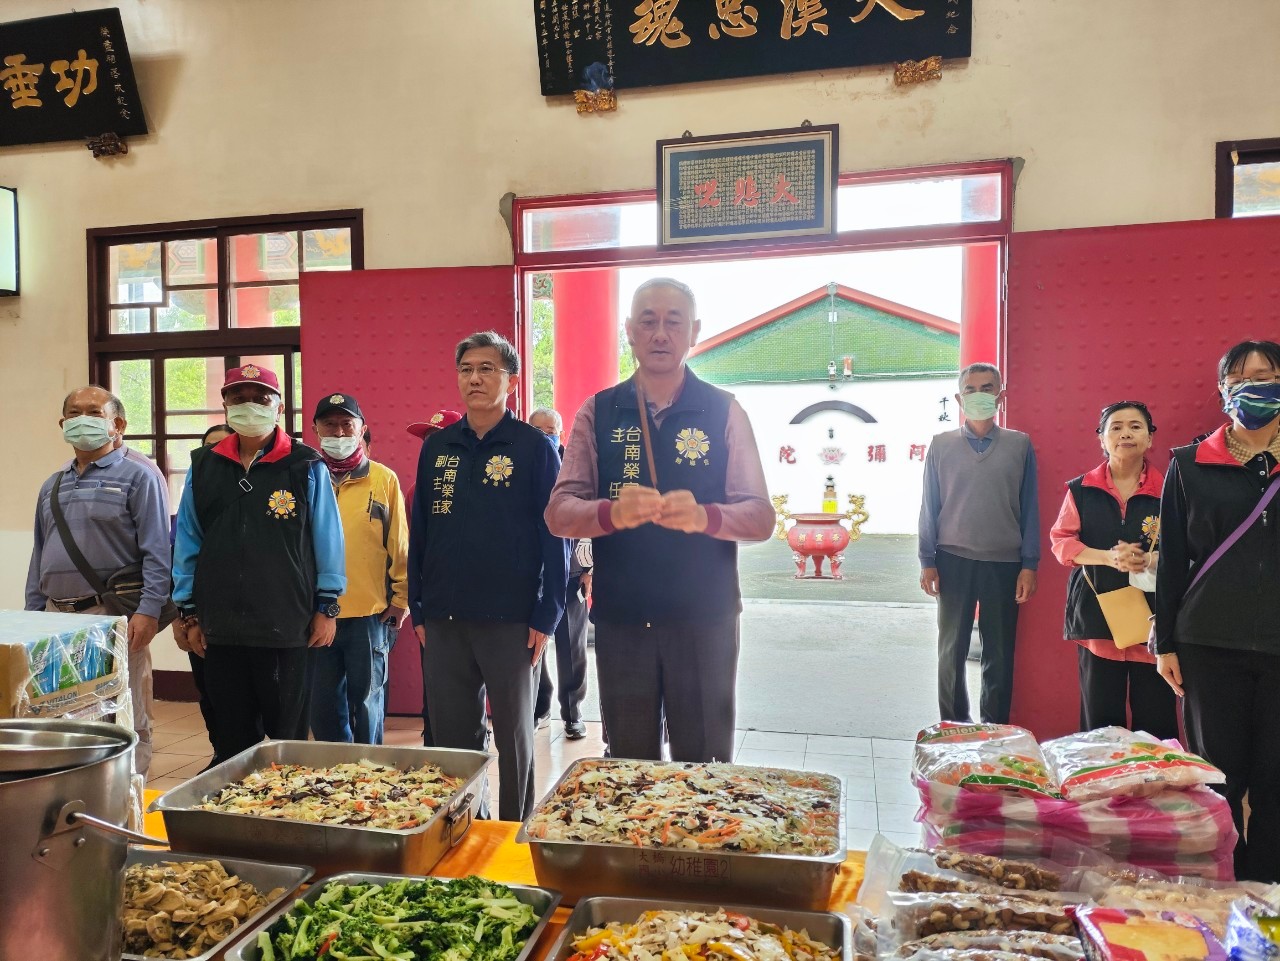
x=484 y=370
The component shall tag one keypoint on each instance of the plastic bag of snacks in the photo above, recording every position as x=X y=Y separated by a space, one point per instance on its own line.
x=993 y=946
x=1253 y=932
x=918 y=916
x=865 y=937
x=983 y=758
x=1112 y=761
x=1112 y=934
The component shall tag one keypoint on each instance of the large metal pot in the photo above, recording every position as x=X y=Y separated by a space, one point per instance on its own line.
x=61 y=883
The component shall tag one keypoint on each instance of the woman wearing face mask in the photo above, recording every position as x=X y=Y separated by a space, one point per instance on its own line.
x=1105 y=531
x=1217 y=632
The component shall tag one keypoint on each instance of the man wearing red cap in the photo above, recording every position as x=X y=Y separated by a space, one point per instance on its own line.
x=258 y=566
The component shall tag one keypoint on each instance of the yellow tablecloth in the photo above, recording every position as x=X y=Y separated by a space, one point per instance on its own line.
x=489 y=849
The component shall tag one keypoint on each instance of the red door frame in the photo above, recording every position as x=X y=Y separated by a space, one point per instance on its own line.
x=995 y=231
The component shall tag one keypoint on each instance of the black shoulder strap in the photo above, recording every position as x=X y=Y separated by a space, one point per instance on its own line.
x=64 y=532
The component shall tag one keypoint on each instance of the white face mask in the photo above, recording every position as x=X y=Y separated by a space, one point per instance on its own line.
x=339 y=448
x=86 y=433
x=253 y=420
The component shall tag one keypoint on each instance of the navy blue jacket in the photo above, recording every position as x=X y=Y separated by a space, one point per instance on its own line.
x=479 y=549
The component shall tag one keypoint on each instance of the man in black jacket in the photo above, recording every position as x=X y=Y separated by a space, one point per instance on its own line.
x=486 y=578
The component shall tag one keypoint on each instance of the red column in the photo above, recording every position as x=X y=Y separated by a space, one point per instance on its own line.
x=980 y=306
x=586 y=332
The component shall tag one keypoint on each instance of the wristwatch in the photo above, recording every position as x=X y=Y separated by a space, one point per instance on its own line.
x=327 y=607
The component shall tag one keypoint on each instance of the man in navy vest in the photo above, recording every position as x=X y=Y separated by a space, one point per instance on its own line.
x=258 y=566
x=665 y=594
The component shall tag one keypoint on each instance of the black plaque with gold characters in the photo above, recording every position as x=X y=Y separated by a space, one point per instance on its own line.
x=594 y=44
x=67 y=77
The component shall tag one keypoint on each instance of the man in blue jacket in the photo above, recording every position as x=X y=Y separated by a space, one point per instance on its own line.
x=258 y=566
x=486 y=577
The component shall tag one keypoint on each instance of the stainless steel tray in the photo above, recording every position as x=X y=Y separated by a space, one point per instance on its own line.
x=261 y=875
x=584 y=868
x=328 y=848
x=825 y=926
x=543 y=901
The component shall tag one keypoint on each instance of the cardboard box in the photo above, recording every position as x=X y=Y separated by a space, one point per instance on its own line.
x=54 y=664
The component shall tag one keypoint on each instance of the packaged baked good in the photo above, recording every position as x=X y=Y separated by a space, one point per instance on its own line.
x=1115 y=934
x=1206 y=902
x=985 y=758
x=958 y=945
x=1115 y=762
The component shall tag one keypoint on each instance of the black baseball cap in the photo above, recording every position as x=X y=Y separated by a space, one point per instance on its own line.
x=339 y=402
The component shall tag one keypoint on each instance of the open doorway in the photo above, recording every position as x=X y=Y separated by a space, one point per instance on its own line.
x=843 y=354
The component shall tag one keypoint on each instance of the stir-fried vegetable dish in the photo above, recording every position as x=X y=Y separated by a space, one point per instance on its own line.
x=696 y=806
x=698 y=936
x=364 y=794
x=467 y=919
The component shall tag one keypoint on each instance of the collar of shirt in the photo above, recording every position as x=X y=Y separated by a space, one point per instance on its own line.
x=356 y=473
x=115 y=457
x=978 y=443
x=498 y=432
x=1244 y=454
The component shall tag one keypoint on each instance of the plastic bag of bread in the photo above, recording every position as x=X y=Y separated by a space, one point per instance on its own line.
x=1114 y=762
x=985 y=758
x=993 y=945
x=1115 y=934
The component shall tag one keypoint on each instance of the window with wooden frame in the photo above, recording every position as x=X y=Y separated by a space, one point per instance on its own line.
x=172 y=306
x=1247 y=178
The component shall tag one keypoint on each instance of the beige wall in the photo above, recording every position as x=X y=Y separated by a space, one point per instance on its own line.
x=425 y=112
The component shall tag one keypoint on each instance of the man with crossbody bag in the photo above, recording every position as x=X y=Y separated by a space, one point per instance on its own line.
x=1217 y=621
x=102 y=542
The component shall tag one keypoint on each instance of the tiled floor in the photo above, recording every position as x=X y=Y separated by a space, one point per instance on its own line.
x=878 y=792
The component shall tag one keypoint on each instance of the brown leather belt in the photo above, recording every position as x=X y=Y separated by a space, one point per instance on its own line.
x=77 y=604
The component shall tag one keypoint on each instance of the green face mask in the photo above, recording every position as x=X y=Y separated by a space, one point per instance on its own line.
x=978 y=406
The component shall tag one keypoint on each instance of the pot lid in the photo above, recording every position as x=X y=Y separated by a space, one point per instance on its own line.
x=31 y=745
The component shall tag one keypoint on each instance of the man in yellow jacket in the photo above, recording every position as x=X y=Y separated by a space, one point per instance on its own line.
x=349 y=678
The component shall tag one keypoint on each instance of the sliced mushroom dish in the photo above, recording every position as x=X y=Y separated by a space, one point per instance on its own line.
x=181 y=909
x=363 y=794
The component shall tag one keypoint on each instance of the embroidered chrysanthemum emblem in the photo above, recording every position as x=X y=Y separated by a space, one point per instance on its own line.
x=282 y=504
x=498 y=470
x=692 y=444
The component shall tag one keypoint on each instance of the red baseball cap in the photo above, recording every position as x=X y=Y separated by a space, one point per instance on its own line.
x=251 y=374
x=439 y=420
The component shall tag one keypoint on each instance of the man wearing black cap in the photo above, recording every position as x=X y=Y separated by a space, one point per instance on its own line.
x=349 y=677
x=257 y=566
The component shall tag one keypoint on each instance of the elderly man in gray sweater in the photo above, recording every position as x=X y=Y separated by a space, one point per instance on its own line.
x=979 y=543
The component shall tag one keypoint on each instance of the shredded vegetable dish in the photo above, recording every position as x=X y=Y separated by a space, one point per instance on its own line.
x=364 y=794
x=722 y=807
x=698 y=936
x=467 y=919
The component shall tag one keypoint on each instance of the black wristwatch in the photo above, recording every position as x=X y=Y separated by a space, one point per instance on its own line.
x=328 y=607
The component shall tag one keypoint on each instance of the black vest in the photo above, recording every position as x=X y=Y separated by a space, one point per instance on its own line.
x=651 y=575
x=255 y=577
x=1100 y=528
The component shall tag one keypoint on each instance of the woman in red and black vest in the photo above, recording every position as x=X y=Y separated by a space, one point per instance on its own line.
x=1107 y=530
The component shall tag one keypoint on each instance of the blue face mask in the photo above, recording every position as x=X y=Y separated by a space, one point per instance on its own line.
x=1253 y=405
x=555 y=440
x=86 y=433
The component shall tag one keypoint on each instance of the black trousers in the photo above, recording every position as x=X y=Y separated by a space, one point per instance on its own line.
x=992 y=586
x=206 y=709
x=464 y=660
x=686 y=672
x=255 y=691
x=571 y=660
x=1112 y=690
x=1233 y=721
